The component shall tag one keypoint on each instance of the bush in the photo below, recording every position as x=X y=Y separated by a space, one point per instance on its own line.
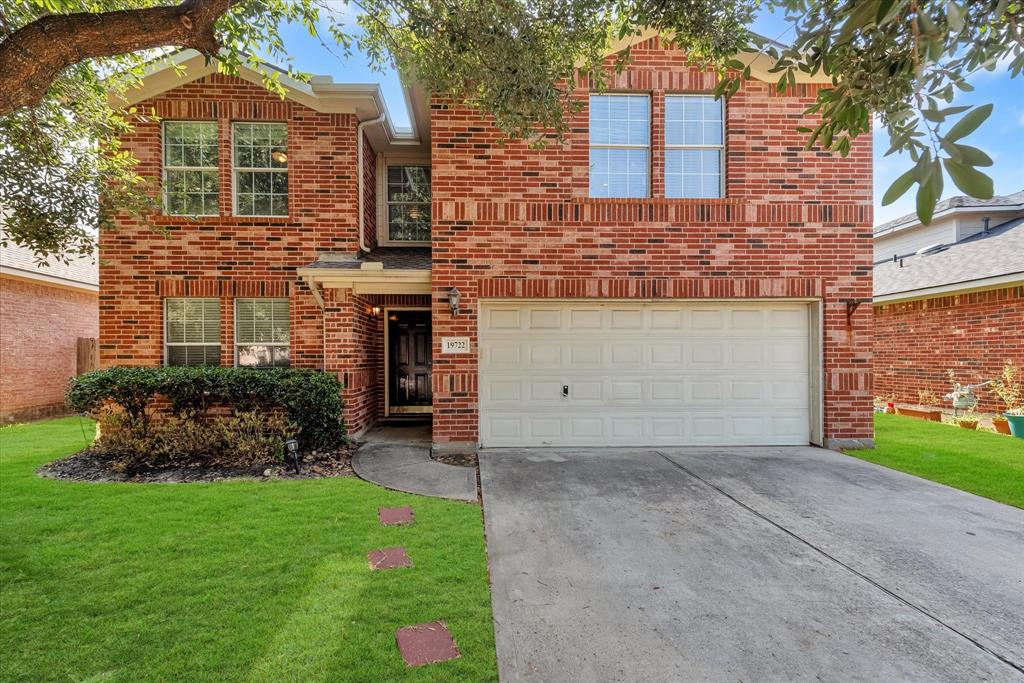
x=309 y=400
x=253 y=439
x=246 y=439
x=132 y=389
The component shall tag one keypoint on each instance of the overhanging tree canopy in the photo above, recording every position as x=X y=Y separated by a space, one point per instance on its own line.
x=902 y=61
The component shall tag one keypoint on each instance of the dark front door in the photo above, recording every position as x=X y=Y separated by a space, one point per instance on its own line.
x=410 y=363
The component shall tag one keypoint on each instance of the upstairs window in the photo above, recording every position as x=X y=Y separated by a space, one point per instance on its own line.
x=620 y=142
x=260 y=160
x=192 y=332
x=262 y=332
x=191 y=179
x=408 y=203
x=694 y=146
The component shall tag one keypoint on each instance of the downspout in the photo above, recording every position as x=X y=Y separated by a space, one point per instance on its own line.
x=360 y=173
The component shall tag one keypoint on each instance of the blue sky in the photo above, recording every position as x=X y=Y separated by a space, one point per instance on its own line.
x=1002 y=136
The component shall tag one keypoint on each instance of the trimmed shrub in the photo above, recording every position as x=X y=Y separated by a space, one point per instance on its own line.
x=243 y=440
x=309 y=400
x=132 y=389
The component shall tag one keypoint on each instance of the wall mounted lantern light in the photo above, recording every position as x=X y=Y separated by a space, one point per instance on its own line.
x=454 y=295
x=375 y=311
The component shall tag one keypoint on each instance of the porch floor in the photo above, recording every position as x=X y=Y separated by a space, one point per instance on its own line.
x=412 y=433
x=398 y=457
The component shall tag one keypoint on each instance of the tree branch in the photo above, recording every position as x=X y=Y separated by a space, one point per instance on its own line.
x=34 y=55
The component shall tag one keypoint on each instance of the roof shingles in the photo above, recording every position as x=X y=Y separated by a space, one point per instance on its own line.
x=21 y=260
x=982 y=256
x=1008 y=202
x=393 y=258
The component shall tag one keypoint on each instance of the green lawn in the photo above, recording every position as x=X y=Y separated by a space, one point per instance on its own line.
x=240 y=581
x=984 y=463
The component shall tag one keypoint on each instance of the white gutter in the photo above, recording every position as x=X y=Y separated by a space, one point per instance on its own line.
x=360 y=173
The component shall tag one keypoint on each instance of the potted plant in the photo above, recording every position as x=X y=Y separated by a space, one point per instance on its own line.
x=885 y=404
x=967 y=420
x=928 y=400
x=1000 y=424
x=1009 y=388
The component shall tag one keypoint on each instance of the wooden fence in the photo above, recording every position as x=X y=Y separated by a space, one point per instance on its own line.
x=88 y=354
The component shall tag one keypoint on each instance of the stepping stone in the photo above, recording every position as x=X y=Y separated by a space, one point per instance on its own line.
x=388 y=558
x=426 y=644
x=393 y=516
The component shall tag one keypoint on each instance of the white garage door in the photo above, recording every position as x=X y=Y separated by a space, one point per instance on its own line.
x=678 y=373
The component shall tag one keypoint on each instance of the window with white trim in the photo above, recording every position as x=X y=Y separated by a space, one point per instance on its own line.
x=191 y=332
x=262 y=333
x=694 y=146
x=620 y=145
x=260 y=167
x=191 y=176
x=408 y=203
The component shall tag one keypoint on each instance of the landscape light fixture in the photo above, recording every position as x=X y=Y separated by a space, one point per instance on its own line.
x=292 y=445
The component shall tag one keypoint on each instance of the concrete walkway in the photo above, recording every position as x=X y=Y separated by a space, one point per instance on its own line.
x=746 y=564
x=398 y=457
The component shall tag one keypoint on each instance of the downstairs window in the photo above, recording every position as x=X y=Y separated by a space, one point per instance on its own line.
x=262 y=333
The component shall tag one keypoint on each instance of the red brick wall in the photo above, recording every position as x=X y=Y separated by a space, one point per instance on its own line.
x=40 y=327
x=516 y=222
x=369 y=194
x=228 y=257
x=511 y=221
x=974 y=334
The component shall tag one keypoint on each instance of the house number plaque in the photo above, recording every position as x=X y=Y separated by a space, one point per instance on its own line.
x=454 y=344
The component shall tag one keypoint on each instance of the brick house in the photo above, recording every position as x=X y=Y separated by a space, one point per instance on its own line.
x=949 y=296
x=678 y=271
x=44 y=310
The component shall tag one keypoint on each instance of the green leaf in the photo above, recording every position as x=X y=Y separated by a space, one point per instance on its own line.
x=899 y=187
x=972 y=181
x=925 y=202
x=859 y=19
x=936 y=178
x=969 y=123
x=955 y=16
x=973 y=156
x=888 y=13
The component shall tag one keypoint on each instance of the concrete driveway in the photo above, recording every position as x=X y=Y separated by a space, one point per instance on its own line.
x=746 y=564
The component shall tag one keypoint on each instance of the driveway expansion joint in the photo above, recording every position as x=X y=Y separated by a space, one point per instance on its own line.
x=921 y=610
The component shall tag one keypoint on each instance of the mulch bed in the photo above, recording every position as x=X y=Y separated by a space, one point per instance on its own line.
x=87 y=466
x=457 y=459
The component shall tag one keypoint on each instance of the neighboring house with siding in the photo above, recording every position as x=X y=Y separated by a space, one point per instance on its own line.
x=44 y=310
x=949 y=296
x=677 y=271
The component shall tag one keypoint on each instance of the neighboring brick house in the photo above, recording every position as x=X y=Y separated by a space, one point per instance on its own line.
x=44 y=311
x=678 y=271
x=949 y=296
